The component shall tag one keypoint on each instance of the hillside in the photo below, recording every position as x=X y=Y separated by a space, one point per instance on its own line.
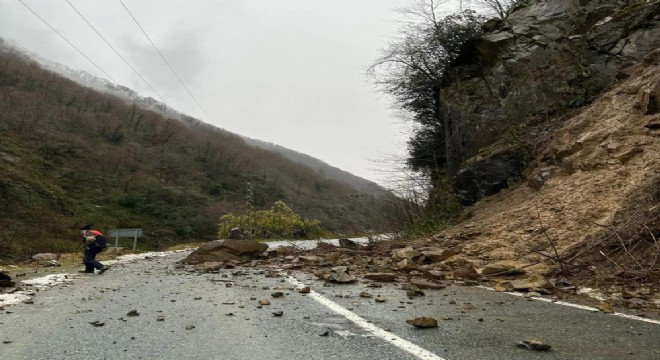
x=365 y=187
x=71 y=155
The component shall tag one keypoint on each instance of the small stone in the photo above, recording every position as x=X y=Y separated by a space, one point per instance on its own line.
x=305 y=290
x=190 y=327
x=605 y=307
x=133 y=313
x=536 y=345
x=379 y=299
x=382 y=277
x=97 y=323
x=423 y=322
x=278 y=313
x=365 y=294
x=264 y=302
x=277 y=294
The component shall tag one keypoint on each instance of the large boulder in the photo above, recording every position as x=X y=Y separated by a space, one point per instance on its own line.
x=225 y=250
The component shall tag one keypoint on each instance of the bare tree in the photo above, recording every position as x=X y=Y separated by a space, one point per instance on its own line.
x=501 y=8
x=412 y=71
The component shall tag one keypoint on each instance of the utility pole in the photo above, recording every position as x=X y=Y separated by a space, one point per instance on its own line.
x=249 y=206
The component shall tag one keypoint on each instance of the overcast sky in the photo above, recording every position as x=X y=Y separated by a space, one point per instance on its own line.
x=289 y=72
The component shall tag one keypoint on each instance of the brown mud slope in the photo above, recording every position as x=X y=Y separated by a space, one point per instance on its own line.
x=592 y=196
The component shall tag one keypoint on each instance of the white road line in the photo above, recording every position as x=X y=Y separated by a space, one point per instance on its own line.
x=577 y=306
x=373 y=329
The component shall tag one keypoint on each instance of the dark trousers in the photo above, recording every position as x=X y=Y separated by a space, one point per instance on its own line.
x=89 y=258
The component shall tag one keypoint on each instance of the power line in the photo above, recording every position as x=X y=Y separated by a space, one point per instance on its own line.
x=165 y=60
x=113 y=49
x=67 y=41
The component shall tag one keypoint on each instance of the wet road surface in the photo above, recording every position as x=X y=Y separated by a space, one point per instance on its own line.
x=186 y=315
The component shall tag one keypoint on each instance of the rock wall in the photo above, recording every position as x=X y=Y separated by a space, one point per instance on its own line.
x=529 y=70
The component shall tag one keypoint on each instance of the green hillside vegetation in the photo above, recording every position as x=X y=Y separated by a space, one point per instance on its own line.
x=70 y=155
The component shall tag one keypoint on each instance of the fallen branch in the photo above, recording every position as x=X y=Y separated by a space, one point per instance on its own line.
x=554 y=248
x=559 y=260
x=625 y=248
x=657 y=248
x=613 y=262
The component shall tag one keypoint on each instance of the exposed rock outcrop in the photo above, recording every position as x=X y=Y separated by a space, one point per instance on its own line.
x=544 y=60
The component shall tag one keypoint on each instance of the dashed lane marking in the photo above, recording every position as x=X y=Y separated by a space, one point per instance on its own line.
x=401 y=343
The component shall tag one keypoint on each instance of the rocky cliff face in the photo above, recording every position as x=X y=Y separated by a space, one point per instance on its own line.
x=565 y=96
x=526 y=73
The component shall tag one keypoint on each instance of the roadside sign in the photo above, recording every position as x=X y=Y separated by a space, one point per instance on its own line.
x=117 y=233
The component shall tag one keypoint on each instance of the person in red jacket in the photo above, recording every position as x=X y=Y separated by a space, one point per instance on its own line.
x=93 y=243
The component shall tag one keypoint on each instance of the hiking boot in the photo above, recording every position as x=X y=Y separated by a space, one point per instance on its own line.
x=103 y=269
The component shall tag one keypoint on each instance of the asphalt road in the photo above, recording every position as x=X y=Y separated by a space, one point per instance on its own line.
x=186 y=315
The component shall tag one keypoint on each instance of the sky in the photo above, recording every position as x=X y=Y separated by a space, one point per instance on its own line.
x=289 y=72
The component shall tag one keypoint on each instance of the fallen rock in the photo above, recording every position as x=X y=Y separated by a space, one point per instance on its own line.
x=382 y=277
x=339 y=274
x=309 y=259
x=413 y=291
x=605 y=307
x=536 y=345
x=426 y=284
x=501 y=268
x=405 y=264
x=407 y=253
x=225 y=250
x=6 y=281
x=438 y=255
x=423 y=322
x=531 y=283
x=349 y=244
x=209 y=266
